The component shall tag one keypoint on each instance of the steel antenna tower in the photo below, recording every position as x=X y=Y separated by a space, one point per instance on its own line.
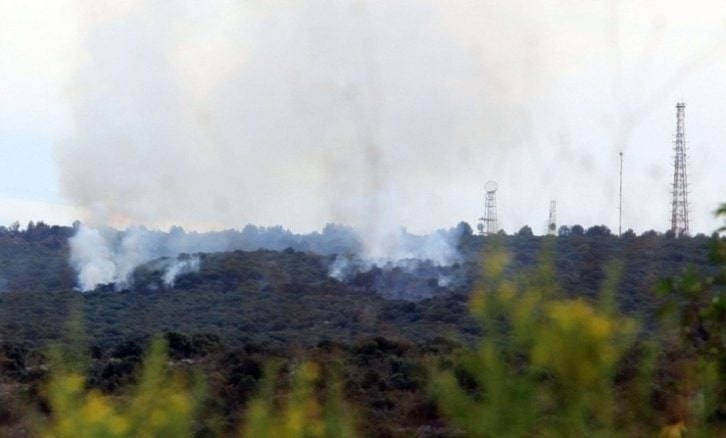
x=488 y=223
x=679 y=214
x=552 y=225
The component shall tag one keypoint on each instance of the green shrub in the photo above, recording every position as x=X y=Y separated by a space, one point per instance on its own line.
x=160 y=405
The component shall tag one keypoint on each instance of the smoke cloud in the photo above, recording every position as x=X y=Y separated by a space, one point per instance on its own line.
x=180 y=267
x=404 y=251
x=103 y=256
x=106 y=256
x=92 y=258
x=373 y=114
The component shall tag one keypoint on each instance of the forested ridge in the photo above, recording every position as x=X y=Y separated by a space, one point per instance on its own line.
x=384 y=326
x=248 y=295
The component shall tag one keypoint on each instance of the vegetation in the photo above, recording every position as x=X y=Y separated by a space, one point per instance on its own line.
x=545 y=365
x=574 y=335
x=158 y=406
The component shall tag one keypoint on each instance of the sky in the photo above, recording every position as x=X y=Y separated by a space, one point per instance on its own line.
x=376 y=114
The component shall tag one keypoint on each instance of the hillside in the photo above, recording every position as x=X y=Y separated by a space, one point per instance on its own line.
x=382 y=327
x=288 y=296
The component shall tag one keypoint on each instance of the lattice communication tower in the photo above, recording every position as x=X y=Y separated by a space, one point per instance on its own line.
x=488 y=224
x=552 y=223
x=679 y=214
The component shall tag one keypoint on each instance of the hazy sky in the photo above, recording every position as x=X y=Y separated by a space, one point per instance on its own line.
x=221 y=113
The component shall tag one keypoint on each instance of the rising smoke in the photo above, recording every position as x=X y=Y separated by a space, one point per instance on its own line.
x=106 y=256
x=372 y=114
x=180 y=267
x=404 y=251
x=103 y=256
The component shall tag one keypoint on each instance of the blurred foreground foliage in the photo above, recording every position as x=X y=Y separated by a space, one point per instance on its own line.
x=160 y=405
x=546 y=365
x=165 y=403
x=302 y=414
x=695 y=334
x=551 y=366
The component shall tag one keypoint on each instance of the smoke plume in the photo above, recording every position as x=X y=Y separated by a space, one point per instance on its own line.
x=103 y=256
x=373 y=114
x=376 y=115
x=180 y=267
x=106 y=256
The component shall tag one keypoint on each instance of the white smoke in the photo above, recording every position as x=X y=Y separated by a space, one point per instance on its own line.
x=344 y=266
x=371 y=114
x=444 y=280
x=92 y=258
x=103 y=256
x=374 y=114
x=403 y=250
x=440 y=247
x=133 y=250
x=180 y=267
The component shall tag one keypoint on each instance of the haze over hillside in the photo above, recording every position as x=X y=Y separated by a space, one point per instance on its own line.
x=364 y=113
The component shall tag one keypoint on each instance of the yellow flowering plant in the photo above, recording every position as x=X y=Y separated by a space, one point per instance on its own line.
x=161 y=404
x=303 y=412
x=545 y=365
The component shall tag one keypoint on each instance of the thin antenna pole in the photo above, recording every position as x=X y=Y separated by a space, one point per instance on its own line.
x=620 y=207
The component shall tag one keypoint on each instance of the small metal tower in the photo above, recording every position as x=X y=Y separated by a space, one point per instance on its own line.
x=620 y=206
x=488 y=224
x=552 y=224
x=679 y=214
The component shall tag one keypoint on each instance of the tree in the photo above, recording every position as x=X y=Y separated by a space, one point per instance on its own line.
x=525 y=231
x=629 y=234
x=598 y=231
x=464 y=229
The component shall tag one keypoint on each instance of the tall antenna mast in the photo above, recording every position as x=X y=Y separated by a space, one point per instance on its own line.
x=552 y=225
x=488 y=224
x=679 y=214
x=620 y=207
